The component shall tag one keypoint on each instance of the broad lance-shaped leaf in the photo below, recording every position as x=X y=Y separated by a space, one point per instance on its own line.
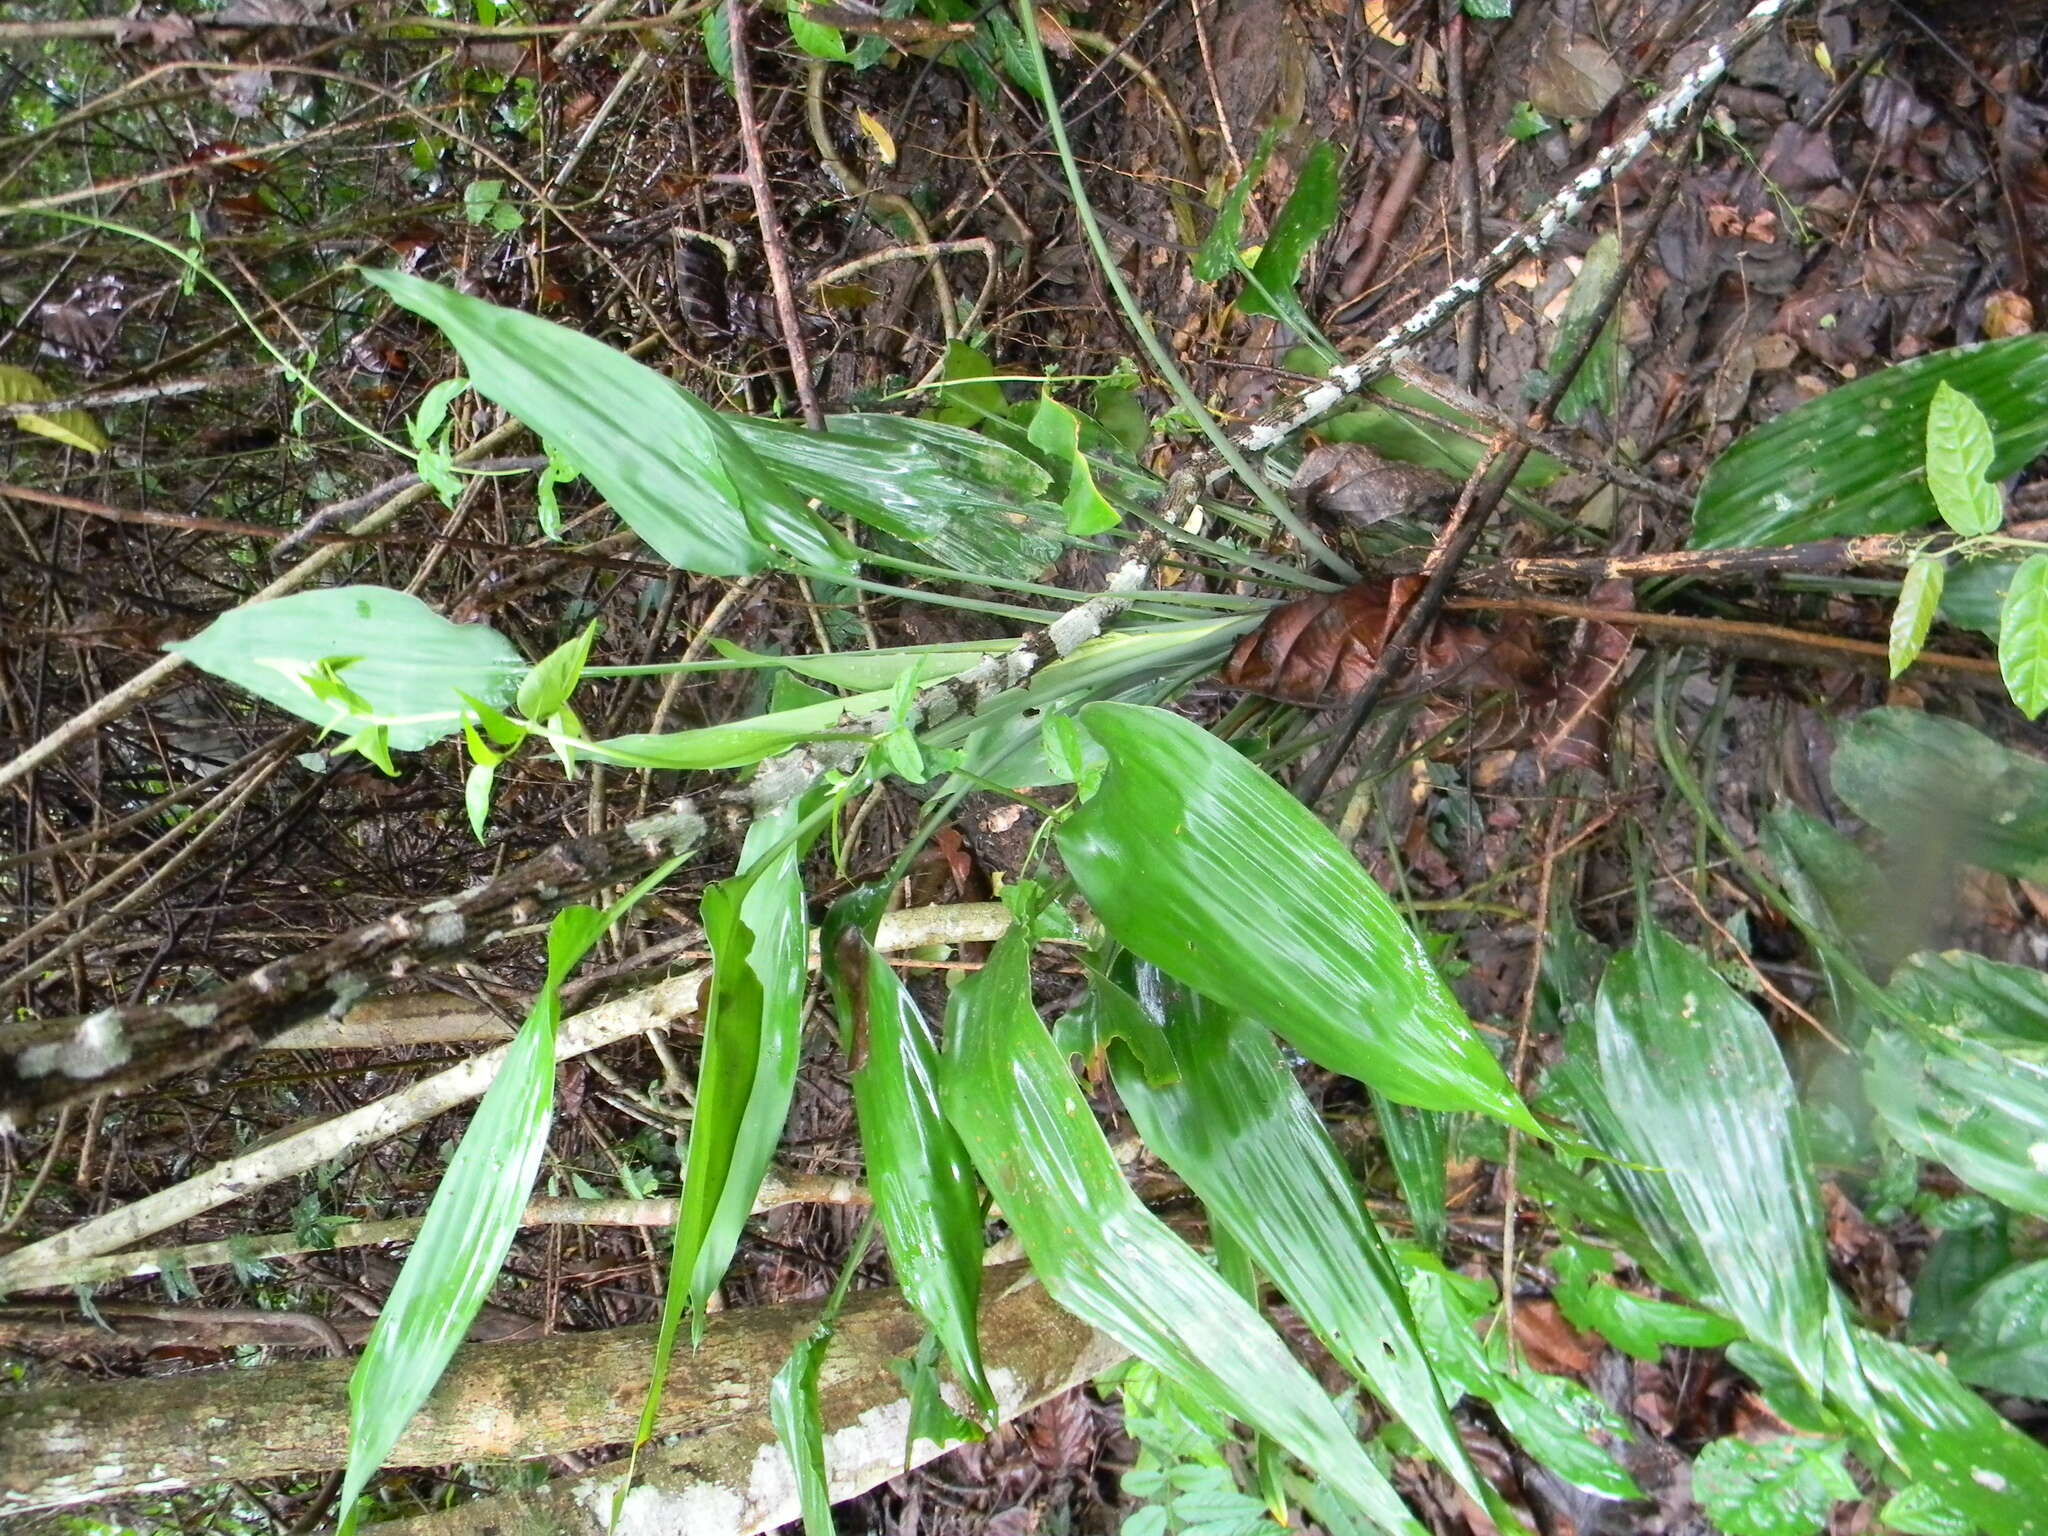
x=2002 y=1340
x=1239 y=1129
x=1958 y=461
x=753 y=1027
x=672 y=468
x=406 y=663
x=2023 y=636
x=918 y=1172
x=1854 y=461
x=1937 y=790
x=1201 y=864
x=469 y=1226
x=1695 y=1078
x=1105 y=1258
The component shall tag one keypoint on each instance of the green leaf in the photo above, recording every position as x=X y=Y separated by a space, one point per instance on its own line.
x=1959 y=451
x=469 y=1225
x=1693 y=1075
x=1639 y=1326
x=1525 y=122
x=1201 y=864
x=814 y=37
x=967 y=385
x=1406 y=435
x=1490 y=10
x=1976 y=1102
x=410 y=672
x=793 y=1406
x=433 y=410
x=1310 y=210
x=1854 y=461
x=1237 y=1126
x=918 y=1171
x=1961 y=1261
x=1599 y=381
x=553 y=679
x=717 y=28
x=1415 y=1143
x=1056 y=432
x=753 y=1024
x=2023 y=637
x=1944 y=791
x=1102 y=1256
x=1783 y=1486
x=955 y=497
x=1218 y=252
x=1919 y=600
x=675 y=470
x=2002 y=1342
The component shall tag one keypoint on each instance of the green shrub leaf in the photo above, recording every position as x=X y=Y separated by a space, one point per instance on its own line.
x=1941 y=790
x=1959 y=453
x=1103 y=1257
x=2023 y=636
x=406 y=667
x=1854 y=461
x=1919 y=601
x=1783 y=1486
x=1201 y=864
x=1306 y=216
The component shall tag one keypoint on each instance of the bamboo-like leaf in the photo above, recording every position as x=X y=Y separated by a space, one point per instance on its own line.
x=753 y=1025
x=1105 y=1258
x=469 y=1225
x=1599 y=381
x=674 y=469
x=1854 y=460
x=2023 y=636
x=1959 y=453
x=2002 y=1341
x=1201 y=864
x=406 y=666
x=1938 y=790
x=919 y=1173
x=1976 y=1102
x=1237 y=1126
x=1219 y=247
x=1694 y=1076
x=793 y=1406
x=1919 y=601
x=73 y=428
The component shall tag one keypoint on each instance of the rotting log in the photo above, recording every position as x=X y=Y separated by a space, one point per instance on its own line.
x=714 y=1468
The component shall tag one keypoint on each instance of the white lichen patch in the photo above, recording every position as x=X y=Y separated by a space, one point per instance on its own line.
x=444 y=930
x=95 y=1048
x=649 y=1511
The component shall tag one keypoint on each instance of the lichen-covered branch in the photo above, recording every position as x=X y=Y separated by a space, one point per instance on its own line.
x=47 y=1064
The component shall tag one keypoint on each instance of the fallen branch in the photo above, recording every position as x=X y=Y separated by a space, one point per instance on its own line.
x=48 y=1263
x=715 y=1469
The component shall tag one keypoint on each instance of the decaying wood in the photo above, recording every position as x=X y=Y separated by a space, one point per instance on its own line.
x=48 y=1064
x=714 y=1469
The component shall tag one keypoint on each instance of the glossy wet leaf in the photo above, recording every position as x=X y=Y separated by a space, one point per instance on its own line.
x=1055 y=432
x=1201 y=864
x=1854 y=460
x=2001 y=1341
x=1599 y=381
x=1237 y=1126
x=1639 y=1326
x=794 y=1408
x=406 y=665
x=1781 y=1486
x=1306 y=216
x=1695 y=1079
x=676 y=471
x=2023 y=636
x=753 y=1026
x=1102 y=1256
x=1219 y=248
x=1946 y=790
x=917 y=1170
x=960 y=499
x=1427 y=432
x=468 y=1229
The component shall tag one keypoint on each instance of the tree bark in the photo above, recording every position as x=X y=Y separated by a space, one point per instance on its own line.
x=713 y=1469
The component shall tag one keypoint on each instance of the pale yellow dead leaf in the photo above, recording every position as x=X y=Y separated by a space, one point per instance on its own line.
x=885 y=146
x=1381 y=25
x=74 y=429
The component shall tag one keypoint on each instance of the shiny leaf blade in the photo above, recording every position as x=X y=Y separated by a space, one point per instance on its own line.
x=1105 y=1258
x=1306 y=216
x=1969 y=1105
x=1919 y=601
x=1202 y=865
x=1938 y=790
x=753 y=1021
x=1237 y=1126
x=2023 y=637
x=406 y=663
x=469 y=1226
x=1854 y=460
x=672 y=468
x=2002 y=1343
x=918 y=1172
x=1694 y=1075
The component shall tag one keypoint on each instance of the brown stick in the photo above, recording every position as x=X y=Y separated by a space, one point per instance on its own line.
x=765 y=215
